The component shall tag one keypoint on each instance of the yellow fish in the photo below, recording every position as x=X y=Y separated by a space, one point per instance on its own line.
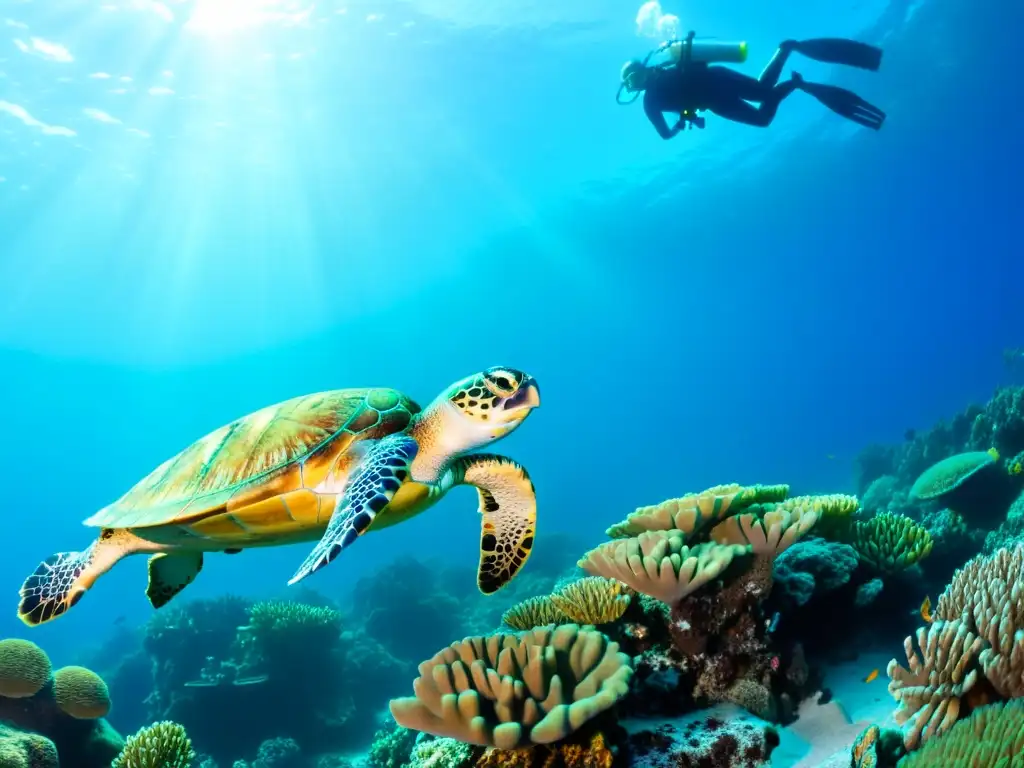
x=926 y=609
x=994 y=454
x=871 y=675
x=1015 y=468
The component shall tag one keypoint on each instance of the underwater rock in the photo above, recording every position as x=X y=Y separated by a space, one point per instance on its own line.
x=722 y=737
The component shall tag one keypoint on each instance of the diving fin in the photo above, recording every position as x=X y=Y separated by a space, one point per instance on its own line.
x=843 y=102
x=836 y=50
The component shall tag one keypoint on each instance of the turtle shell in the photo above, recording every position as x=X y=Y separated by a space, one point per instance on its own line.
x=281 y=448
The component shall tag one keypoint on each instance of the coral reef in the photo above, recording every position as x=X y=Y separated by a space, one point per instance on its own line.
x=509 y=690
x=279 y=666
x=67 y=708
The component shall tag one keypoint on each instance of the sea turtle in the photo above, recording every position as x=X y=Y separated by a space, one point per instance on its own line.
x=322 y=466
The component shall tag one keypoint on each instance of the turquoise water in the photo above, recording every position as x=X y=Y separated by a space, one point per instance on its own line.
x=210 y=206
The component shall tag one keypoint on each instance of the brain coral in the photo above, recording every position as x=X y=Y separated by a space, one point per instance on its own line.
x=24 y=668
x=81 y=693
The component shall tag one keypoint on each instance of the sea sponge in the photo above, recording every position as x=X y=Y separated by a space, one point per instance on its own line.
x=593 y=600
x=949 y=474
x=161 y=745
x=24 y=668
x=987 y=595
x=81 y=693
x=534 y=612
x=659 y=564
x=929 y=692
x=692 y=511
x=506 y=691
x=891 y=542
x=771 y=534
x=992 y=736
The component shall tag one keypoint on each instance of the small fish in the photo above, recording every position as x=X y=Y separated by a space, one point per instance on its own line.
x=773 y=623
x=830 y=455
x=910 y=434
x=993 y=453
x=871 y=675
x=926 y=609
x=1016 y=468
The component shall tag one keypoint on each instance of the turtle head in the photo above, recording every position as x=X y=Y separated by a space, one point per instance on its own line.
x=488 y=405
x=471 y=413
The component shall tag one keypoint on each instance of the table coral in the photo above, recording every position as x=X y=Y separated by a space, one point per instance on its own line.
x=508 y=690
x=660 y=564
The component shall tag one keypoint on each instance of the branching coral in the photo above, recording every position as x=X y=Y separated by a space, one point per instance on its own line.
x=660 y=564
x=891 y=542
x=161 y=745
x=534 y=612
x=510 y=690
x=987 y=594
x=593 y=600
x=930 y=691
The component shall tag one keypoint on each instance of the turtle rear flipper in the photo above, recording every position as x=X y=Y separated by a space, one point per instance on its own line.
x=169 y=573
x=508 y=505
x=380 y=474
x=60 y=581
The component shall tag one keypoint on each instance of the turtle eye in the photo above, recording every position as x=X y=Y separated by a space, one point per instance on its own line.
x=501 y=382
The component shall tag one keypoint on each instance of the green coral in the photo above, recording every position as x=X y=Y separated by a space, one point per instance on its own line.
x=161 y=745
x=24 y=668
x=949 y=474
x=992 y=736
x=273 y=616
x=891 y=542
x=391 y=748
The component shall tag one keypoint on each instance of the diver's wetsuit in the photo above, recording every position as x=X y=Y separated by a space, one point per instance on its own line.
x=721 y=90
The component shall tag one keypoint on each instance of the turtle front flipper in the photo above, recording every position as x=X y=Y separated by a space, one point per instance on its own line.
x=508 y=504
x=380 y=474
x=169 y=573
x=61 y=580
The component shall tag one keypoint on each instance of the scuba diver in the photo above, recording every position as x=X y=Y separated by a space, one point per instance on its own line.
x=689 y=84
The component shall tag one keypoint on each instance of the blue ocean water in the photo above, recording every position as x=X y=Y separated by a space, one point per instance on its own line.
x=208 y=206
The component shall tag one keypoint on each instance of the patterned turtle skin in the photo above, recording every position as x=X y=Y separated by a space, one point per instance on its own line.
x=321 y=467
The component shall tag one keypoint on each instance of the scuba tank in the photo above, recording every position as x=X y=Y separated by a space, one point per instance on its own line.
x=708 y=51
x=679 y=53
